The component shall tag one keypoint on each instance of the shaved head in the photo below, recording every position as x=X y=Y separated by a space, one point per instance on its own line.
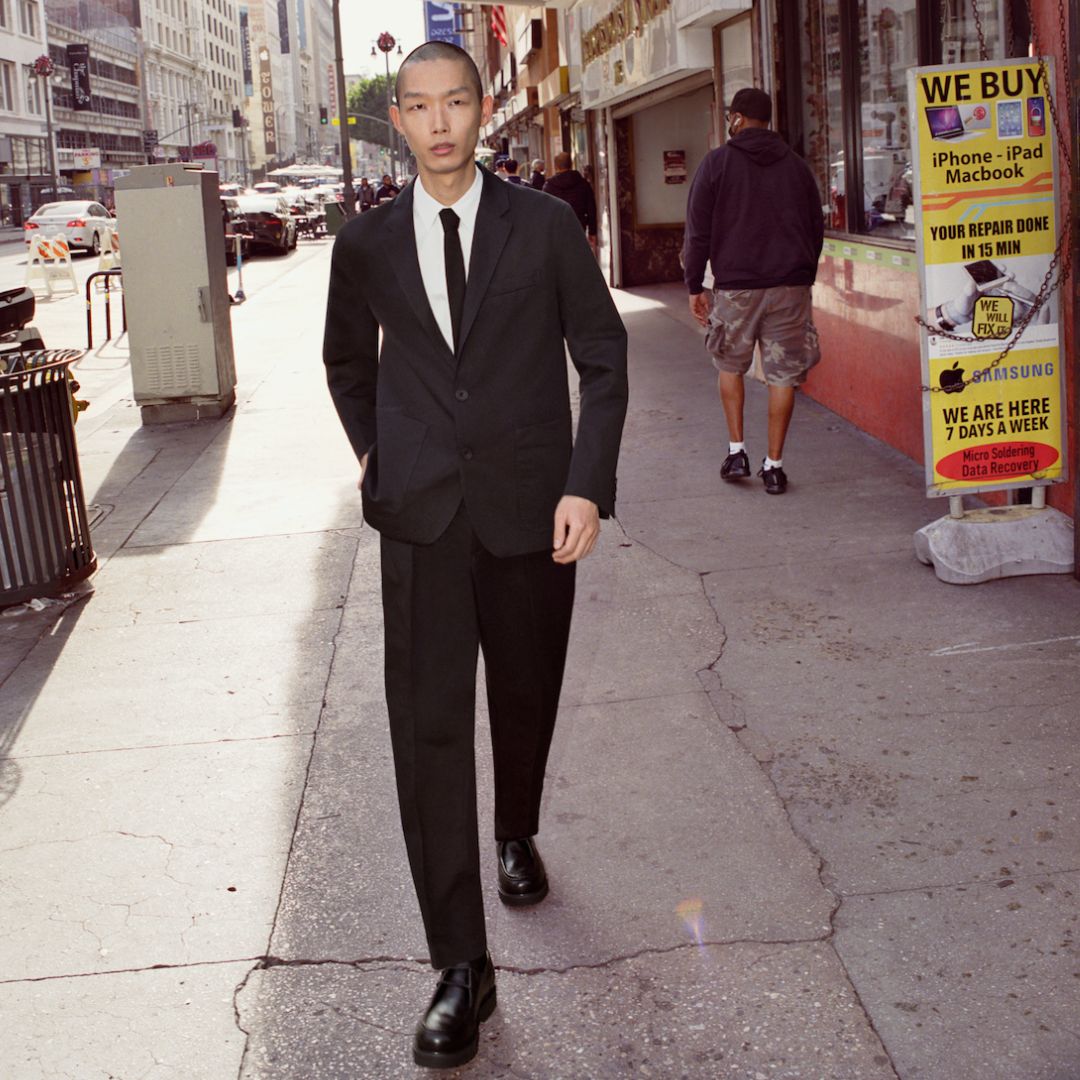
x=440 y=50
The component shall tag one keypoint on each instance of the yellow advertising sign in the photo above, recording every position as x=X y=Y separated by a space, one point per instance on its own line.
x=987 y=226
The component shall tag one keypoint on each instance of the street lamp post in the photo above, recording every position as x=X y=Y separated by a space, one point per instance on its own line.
x=386 y=45
x=241 y=136
x=349 y=195
x=189 y=107
x=44 y=68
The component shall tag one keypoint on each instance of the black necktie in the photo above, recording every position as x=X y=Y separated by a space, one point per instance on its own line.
x=455 y=270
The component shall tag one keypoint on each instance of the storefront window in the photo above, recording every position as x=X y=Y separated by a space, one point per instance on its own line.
x=854 y=57
x=960 y=30
x=888 y=46
x=820 y=54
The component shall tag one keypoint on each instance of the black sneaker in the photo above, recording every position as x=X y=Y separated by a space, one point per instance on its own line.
x=775 y=480
x=735 y=466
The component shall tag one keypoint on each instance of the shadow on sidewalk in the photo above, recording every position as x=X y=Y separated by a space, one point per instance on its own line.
x=151 y=461
x=44 y=636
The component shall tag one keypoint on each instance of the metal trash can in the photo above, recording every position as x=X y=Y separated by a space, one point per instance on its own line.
x=44 y=531
x=335 y=217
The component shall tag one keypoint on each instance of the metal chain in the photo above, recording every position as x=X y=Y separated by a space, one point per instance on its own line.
x=1061 y=262
x=983 y=52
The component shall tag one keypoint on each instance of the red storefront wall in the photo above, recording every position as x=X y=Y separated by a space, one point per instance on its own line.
x=870 y=371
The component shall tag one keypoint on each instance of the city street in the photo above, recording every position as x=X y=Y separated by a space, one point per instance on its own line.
x=811 y=814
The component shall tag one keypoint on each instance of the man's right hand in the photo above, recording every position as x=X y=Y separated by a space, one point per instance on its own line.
x=363 y=469
x=699 y=308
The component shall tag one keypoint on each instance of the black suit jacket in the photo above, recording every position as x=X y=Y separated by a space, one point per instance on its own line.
x=490 y=425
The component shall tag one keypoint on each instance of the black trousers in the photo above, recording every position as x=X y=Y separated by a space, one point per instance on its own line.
x=441 y=602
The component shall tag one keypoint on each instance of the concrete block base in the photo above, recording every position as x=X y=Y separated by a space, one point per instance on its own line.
x=997 y=542
x=184 y=410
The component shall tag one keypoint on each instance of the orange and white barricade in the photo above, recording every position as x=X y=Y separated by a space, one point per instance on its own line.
x=48 y=262
x=109 y=259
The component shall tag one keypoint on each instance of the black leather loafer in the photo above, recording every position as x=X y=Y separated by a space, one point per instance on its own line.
x=522 y=878
x=775 y=480
x=735 y=466
x=449 y=1034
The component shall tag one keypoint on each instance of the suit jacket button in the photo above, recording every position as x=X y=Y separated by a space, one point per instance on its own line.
x=461 y=395
x=466 y=453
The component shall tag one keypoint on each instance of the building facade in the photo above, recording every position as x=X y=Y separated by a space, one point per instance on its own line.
x=24 y=149
x=217 y=49
x=177 y=88
x=97 y=95
x=268 y=80
x=642 y=101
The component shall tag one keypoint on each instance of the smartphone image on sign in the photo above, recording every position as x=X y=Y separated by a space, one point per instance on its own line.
x=1036 y=116
x=1010 y=119
x=986 y=274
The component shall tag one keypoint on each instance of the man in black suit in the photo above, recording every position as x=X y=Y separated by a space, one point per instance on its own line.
x=484 y=500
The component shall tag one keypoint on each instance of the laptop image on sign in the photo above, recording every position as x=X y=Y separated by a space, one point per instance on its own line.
x=946 y=123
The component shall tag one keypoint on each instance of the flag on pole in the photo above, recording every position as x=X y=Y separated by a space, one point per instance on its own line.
x=498 y=23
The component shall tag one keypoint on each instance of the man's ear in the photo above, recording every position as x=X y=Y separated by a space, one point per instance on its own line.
x=487 y=107
x=395 y=118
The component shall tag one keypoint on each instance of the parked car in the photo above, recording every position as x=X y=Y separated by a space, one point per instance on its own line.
x=271 y=224
x=83 y=223
x=236 y=225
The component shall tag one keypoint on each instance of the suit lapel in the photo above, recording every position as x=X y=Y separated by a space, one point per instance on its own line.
x=489 y=239
x=401 y=253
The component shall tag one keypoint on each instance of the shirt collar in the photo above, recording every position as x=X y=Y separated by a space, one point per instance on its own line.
x=426 y=209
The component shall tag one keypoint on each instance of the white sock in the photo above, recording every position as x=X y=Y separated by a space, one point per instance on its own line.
x=736 y=447
x=768 y=463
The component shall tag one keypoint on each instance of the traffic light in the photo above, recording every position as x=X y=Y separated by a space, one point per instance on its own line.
x=324 y=116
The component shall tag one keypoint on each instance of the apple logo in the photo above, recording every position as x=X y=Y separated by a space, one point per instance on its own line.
x=951 y=379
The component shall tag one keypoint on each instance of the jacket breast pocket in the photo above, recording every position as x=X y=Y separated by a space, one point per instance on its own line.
x=541 y=464
x=510 y=283
x=398 y=441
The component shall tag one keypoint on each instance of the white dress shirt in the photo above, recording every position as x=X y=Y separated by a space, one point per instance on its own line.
x=429 y=245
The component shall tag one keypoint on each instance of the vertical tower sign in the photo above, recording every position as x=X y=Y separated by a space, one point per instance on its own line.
x=266 y=103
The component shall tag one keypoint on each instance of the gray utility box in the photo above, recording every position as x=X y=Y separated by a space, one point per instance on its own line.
x=176 y=293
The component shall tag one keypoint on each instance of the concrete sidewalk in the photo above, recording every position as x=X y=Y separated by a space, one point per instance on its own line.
x=810 y=812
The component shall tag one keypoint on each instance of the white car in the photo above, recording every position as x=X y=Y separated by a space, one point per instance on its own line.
x=85 y=224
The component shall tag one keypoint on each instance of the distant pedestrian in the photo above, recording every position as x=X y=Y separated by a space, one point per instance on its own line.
x=387 y=190
x=500 y=167
x=365 y=197
x=512 y=172
x=754 y=213
x=538 y=179
x=570 y=186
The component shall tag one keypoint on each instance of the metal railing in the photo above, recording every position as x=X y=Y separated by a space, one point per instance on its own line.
x=108 y=275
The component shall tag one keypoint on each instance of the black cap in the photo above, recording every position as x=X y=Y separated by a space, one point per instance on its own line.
x=752 y=103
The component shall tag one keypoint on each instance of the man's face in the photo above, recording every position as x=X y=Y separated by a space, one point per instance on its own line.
x=440 y=114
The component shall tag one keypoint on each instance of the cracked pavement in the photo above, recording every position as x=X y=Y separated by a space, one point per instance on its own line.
x=809 y=814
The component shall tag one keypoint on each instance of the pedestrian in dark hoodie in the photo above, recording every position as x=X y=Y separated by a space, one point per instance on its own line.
x=755 y=214
x=538 y=179
x=570 y=186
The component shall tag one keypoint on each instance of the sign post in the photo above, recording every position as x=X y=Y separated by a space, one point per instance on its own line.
x=993 y=357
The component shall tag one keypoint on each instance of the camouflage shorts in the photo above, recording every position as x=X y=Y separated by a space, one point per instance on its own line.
x=781 y=318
